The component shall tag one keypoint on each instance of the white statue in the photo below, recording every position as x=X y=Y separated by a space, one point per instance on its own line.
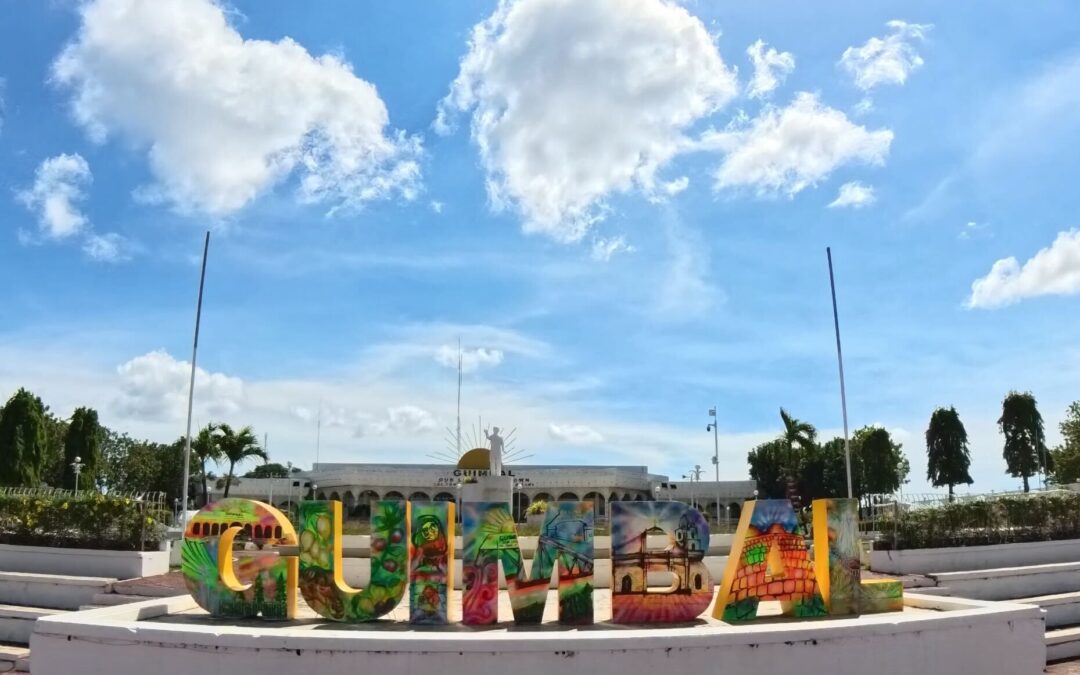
x=496 y=451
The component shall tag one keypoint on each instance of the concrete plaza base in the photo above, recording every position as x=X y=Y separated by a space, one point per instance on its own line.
x=172 y=637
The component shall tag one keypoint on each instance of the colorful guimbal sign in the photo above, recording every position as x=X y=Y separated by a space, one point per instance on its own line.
x=233 y=570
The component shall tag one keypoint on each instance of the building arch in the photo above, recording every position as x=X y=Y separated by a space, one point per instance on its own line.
x=321 y=496
x=419 y=496
x=734 y=510
x=626 y=497
x=335 y=496
x=349 y=499
x=568 y=497
x=543 y=497
x=639 y=498
x=521 y=503
x=599 y=505
x=445 y=497
x=394 y=495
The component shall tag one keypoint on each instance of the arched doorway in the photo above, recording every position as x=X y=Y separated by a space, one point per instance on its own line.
x=394 y=495
x=521 y=503
x=419 y=497
x=543 y=497
x=599 y=506
x=568 y=497
x=363 y=503
x=627 y=584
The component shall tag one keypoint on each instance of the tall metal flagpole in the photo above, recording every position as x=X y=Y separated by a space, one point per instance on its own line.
x=191 y=387
x=840 y=361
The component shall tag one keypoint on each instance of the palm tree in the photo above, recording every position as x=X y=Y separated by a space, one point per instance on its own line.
x=797 y=434
x=237 y=446
x=205 y=448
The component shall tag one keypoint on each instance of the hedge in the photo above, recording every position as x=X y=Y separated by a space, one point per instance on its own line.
x=993 y=520
x=90 y=520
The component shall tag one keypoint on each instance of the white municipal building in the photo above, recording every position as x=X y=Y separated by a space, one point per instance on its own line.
x=357 y=486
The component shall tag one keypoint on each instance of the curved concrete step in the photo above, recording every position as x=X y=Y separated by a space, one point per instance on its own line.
x=50 y=590
x=14 y=658
x=1008 y=583
x=1062 y=643
x=1062 y=609
x=17 y=623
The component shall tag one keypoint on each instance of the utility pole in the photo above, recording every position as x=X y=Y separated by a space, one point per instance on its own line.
x=716 y=457
x=840 y=362
x=191 y=387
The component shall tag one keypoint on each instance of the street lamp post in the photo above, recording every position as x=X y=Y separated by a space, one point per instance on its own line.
x=514 y=502
x=459 y=515
x=716 y=456
x=77 y=466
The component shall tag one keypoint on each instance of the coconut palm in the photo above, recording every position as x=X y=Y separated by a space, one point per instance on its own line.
x=237 y=447
x=797 y=434
x=204 y=447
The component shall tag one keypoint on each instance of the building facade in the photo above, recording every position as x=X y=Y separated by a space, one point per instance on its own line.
x=357 y=486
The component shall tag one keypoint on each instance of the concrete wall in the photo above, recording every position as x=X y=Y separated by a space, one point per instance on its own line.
x=83 y=562
x=49 y=590
x=964 y=558
x=970 y=637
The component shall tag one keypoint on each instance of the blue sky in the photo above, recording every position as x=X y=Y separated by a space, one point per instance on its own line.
x=620 y=207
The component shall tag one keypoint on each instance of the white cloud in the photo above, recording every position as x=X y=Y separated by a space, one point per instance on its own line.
x=575 y=434
x=684 y=290
x=865 y=105
x=603 y=249
x=854 y=194
x=223 y=118
x=59 y=184
x=771 y=68
x=789 y=149
x=407 y=420
x=886 y=60
x=1052 y=271
x=109 y=247
x=155 y=386
x=972 y=229
x=471 y=359
x=436 y=206
x=574 y=101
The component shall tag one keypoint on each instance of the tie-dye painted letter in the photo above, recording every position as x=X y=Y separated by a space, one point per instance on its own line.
x=836 y=554
x=431 y=558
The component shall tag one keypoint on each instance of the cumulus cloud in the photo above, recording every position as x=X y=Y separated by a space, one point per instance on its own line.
x=886 y=60
x=574 y=101
x=155 y=386
x=1054 y=270
x=109 y=247
x=59 y=185
x=771 y=68
x=225 y=118
x=575 y=434
x=785 y=150
x=403 y=420
x=855 y=195
x=471 y=359
x=604 y=249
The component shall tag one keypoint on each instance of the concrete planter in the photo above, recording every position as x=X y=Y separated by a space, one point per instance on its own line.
x=965 y=558
x=83 y=562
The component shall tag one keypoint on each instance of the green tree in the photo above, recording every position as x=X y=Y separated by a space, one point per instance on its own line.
x=236 y=447
x=23 y=440
x=83 y=440
x=1025 y=444
x=132 y=465
x=800 y=438
x=268 y=470
x=55 y=436
x=883 y=465
x=767 y=468
x=205 y=448
x=1066 y=457
x=947 y=455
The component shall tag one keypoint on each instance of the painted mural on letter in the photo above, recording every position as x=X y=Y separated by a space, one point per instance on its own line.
x=243 y=583
x=687 y=536
x=321 y=581
x=881 y=595
x=836 y=554
x=769 y=561
x=490 y=538
x=566 y=542
x=431 y=555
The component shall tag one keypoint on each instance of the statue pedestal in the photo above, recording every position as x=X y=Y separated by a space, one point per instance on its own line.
x=488 y=489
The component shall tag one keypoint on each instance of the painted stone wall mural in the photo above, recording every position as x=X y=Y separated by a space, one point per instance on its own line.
x=241 y=583
x=836 y=550
x=566 y=542
x=631 y=561
x=321 y=581
x=769 y=561
x=431 y=555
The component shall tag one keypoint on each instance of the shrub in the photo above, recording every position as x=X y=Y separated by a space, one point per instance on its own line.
x=992 y=520
x=537 y=507
x=90 y=520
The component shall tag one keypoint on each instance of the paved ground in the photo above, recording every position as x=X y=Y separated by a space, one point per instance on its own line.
x=1071 y=667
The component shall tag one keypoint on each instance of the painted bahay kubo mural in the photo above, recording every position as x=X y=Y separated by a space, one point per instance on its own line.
x=413 y=543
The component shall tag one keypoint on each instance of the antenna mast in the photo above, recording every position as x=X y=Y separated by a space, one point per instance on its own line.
x=458 y=436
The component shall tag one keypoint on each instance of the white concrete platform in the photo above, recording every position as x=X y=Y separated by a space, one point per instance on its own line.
x=1062 y=609
x=967 y=558
x=50 y=590
x=1062 y=643
x=173 y=637
x=84 y=561
x=14 y=658
x=1008 y=583
x=17 y=623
